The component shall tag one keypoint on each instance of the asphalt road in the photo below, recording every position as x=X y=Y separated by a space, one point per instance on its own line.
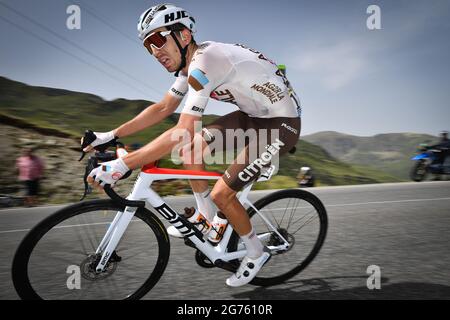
x=402 y=228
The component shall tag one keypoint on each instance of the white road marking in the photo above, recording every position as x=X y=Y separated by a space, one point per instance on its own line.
x=363 y=203
x=328 y=205
x=68 y=226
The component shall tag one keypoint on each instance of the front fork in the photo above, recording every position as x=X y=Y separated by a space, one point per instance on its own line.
x=113 y=235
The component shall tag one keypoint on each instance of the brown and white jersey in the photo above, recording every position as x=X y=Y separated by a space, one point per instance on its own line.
x=239 y=75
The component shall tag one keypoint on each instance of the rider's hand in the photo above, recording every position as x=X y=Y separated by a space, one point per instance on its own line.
x=108 y=173
x=102 y=137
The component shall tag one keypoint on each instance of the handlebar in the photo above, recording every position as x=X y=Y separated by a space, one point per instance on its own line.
x=122 y=201
x=102 y=155
x=89 y=137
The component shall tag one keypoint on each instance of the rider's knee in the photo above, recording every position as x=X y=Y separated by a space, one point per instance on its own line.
x=222 y=196
x=216 y=197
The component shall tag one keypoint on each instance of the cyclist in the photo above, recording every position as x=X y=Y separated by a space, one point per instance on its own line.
x=225 y=72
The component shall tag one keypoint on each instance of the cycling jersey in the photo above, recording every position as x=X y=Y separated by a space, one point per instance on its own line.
x=238 y=75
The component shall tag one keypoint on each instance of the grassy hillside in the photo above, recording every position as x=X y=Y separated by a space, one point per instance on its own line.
x=329 y=171
x=389 y=153
x=72 y=112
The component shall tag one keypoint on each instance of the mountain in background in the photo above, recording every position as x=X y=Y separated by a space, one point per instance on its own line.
x=64 y=113
x=390 y=153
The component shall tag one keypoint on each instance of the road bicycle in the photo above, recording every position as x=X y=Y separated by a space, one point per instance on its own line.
x=118 y=248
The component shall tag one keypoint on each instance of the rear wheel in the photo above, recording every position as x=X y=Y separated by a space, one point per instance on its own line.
x=57 y=259
x=301 y=219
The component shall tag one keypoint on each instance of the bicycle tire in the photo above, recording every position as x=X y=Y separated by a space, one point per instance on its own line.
x=22 y=256
x=279 y=195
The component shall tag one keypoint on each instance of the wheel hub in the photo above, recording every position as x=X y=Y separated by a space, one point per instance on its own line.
x=275 y=240
x=89 y=265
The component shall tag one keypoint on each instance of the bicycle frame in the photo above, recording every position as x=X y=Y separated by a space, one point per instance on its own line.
x=142 y=191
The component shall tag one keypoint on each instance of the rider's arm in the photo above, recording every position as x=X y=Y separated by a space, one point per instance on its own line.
x=162 y=145
x=149 y=117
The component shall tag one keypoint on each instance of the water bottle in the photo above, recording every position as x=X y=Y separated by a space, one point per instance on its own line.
x=195 y=217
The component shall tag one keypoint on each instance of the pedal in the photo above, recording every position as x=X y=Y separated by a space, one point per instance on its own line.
x=231 y=266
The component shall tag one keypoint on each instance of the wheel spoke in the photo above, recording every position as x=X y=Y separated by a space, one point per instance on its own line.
x=301 y=218
x=293 y=209
x=312 y=218
x=287 y=206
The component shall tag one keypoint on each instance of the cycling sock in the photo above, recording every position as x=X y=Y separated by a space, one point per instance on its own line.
x=254 y=246
x=210 y=206
x=205 y=205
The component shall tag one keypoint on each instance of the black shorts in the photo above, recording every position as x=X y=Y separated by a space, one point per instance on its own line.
x=32 y=187
x=279 y=137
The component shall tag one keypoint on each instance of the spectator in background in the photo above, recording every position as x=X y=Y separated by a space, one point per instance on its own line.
x=31 y=169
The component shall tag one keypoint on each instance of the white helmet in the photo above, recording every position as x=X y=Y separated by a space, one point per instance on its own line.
x=163 y=15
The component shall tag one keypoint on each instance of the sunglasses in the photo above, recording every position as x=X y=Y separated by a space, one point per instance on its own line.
x=156 y=40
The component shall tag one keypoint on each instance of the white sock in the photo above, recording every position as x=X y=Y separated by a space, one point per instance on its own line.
x=205 y=205
x=253 y=245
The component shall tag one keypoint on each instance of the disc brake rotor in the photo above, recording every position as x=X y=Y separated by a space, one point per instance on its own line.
x=88 y=265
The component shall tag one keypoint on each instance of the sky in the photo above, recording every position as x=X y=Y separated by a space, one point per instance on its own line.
x=349 y=78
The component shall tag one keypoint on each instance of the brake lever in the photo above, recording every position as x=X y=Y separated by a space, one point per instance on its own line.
x=92 y=163
x=89 y=137
x=87 y=187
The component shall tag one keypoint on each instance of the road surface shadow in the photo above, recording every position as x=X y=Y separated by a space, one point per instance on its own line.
x=329 y=289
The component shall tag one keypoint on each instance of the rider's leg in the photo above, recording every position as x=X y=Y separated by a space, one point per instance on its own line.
x=214 y=135
x=192 y=157
x=225 y=198
x=257 y=255
x=244 y=170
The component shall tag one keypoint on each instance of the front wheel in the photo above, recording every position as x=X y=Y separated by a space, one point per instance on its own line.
x=419 y=171
x=301 y=219
x=57 y=259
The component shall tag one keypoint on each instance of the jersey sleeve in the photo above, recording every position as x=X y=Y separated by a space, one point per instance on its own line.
x=179 y=87
x=208 y=70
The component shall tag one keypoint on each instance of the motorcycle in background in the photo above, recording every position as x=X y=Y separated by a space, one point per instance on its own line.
x=425 y=163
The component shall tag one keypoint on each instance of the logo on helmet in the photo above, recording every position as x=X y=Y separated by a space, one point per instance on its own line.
x=150 y=14
x=171 y=16
x=150 y=17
